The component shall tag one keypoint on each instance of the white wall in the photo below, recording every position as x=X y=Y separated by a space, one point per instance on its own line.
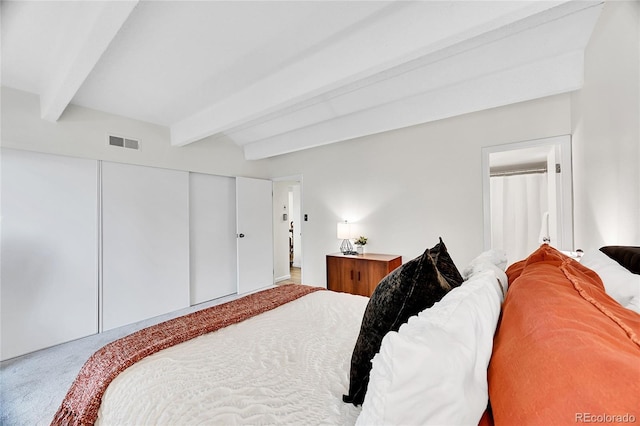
x=606 y=127
x=407 y=187
x=82 y=132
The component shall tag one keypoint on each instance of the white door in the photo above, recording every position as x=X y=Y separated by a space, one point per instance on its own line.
x=212 y=230
x=49 y=247
x=255 y=234
x=145 y=242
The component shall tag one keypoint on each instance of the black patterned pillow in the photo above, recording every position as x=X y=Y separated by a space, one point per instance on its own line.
x=445 y=264
x=405 y=292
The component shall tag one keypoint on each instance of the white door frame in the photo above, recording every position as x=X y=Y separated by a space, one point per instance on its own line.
x=565 y=188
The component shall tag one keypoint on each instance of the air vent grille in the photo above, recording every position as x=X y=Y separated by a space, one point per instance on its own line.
x=131 y=143
x=122 y=142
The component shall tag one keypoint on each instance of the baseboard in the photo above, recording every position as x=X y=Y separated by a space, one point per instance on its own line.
x=283 y=278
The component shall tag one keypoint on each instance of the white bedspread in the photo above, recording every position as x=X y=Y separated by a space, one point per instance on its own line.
x=285 y=366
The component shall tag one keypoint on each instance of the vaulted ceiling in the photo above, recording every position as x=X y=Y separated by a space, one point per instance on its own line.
x=280 y=76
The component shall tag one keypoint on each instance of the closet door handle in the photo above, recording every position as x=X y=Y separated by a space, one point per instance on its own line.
x=240 y=235
x=358 y=275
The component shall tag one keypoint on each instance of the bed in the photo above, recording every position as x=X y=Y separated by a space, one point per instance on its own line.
x=481 y=351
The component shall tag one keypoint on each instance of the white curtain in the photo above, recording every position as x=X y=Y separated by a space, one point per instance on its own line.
x=518 y=204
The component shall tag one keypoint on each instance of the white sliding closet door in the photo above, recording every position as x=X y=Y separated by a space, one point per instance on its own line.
x=212 y=214
x=145 y=223
x=49 y=246
x=254 y=199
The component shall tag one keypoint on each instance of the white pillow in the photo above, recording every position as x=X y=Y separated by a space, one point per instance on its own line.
x=496 y=257
x=619 y=283
x=494 y=260
x=434 y=369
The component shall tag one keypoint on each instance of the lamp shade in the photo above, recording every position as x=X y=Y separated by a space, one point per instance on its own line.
x=344 y=230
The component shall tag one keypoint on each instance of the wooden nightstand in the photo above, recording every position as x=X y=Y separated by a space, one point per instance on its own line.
x=359 y=274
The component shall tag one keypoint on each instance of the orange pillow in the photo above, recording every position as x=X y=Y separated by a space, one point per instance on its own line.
x=565 y=352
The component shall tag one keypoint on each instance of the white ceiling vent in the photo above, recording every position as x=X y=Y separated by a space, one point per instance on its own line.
x=123 y=142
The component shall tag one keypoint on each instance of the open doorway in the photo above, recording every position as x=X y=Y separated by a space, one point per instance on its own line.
x=287 y=228
x=527 y=190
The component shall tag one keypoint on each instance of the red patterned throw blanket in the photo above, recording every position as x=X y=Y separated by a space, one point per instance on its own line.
x=81 y=404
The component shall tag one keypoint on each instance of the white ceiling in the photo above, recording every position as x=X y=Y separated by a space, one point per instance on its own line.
x=280 y=76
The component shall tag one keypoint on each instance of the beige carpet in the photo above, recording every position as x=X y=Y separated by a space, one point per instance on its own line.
x=32 y=386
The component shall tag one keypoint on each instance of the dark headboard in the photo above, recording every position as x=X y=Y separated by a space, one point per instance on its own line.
x=627 y=256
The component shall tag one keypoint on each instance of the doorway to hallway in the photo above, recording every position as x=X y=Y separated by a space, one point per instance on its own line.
x=287 y=229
